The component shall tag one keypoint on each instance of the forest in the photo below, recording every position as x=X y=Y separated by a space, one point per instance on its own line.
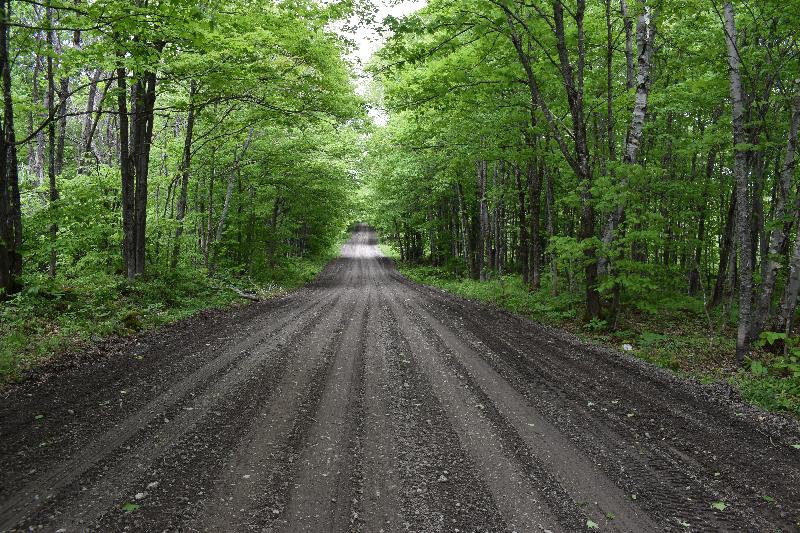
x=625 y=169
x=610 y=164
x=155 y=152
x=400 y=265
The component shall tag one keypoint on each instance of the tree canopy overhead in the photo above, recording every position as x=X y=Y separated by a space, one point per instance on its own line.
x=625 y=149
x=619 y=151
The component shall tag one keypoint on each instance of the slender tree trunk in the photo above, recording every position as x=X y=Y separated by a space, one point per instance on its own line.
x=523 y=227
x=38 y=151
x=742 y=189
x=432 y=236
x=726 y=249
x=645 y=35
x=10 y=207
x=273 y=236
x=185 y=172
x=62 y=106
x=611 y=141
x=90 y=120
x=535 y=189
x=551 y=233
x=228 y=195
x=789 y=300
x=465 y=228
x=51 y=141
x=454 y=229
x=145 y=104
x=483 y=235
x=778 y=235
x=127 y=175
x=628 y=26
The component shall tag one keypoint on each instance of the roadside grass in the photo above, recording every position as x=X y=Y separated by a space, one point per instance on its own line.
x=53 y=317
x=672 y=332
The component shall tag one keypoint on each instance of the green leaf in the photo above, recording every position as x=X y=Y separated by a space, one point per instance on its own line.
x=130 y=507
x=38 y=417
x=610 y=516
x=758 y=369
x=796 y=446
x=719 y=506
x=591 y=524
x=768 y=499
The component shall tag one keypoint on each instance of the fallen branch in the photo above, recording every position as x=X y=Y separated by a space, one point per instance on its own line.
x=246 y=295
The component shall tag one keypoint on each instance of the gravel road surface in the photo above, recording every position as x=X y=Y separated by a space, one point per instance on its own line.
x=365 y=402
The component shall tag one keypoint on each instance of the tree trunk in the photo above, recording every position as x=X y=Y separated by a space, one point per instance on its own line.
x=432 y=236
x=628 y=26
x=63 y=93
x=645 y=35
x=742 y=189
x=550 y=233
x=483 y=235
x=725 y=252
x=51 y=141
x=227 y=202
x=535 y=189
x=522 y=255
x=778 y=235
x=37 y=151
x=465 y=228
x=185 y=172
x=454 y=229
x=10 y=207
x=789 y=300
x=127 y=175
x=145 y=97
x=90 y=119
x=273 y=225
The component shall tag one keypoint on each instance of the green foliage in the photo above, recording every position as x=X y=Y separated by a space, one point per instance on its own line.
x=483 y=123
x=596 y=324
x=277 y=128
x=648 y=339
x=719 y=505
x=54 y=316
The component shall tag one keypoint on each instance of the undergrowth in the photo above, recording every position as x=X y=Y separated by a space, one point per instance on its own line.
x=52 y=317
x=670 y=331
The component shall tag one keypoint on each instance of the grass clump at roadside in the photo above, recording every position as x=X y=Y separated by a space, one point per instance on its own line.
x=51 y=317
x=672 y=334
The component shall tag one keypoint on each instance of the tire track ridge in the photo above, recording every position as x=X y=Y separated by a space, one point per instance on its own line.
x=555 y=493
x=278 y=490
x=463 y=501
x=321 y=497
x=660 y=466
x=180 y=427
x=54 y=480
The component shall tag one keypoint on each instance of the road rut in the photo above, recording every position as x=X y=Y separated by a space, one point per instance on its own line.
x=365 y=402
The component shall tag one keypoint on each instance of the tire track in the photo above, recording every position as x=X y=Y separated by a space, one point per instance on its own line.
x=77 y=410
x=640 y=462
x=225 y=368
x=374 y=478
x=681 y=501
x=568 y=479
x=236 y=499
x=428 y=448
x=368 y=403
x=321 y=496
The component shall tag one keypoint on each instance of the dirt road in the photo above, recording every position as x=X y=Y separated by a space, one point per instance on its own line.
x=365 y=402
